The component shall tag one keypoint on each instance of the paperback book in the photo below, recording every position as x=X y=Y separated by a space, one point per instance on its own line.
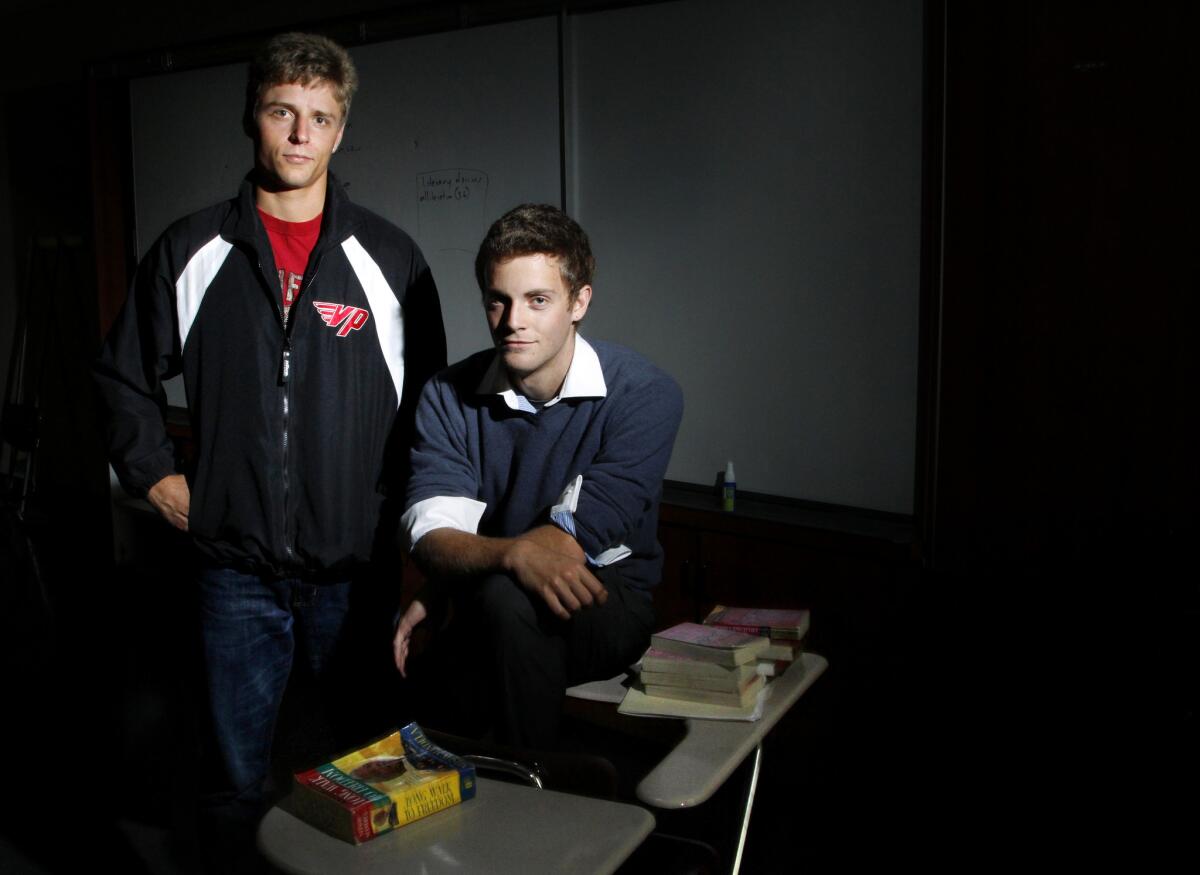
x=739 y=698
x=781 y=650
x=772 y=668
x=733 y=680
x=770 y=622
x=390 y=782
x=663 y=661
x=714 y=644
x=638 y=703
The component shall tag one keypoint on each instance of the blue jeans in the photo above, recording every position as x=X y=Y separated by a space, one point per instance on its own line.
x=250 y=627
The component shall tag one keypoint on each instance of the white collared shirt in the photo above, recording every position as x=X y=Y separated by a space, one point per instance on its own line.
x=585 y=379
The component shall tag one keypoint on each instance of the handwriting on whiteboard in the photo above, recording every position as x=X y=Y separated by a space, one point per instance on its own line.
x=455 y=185
x=452 y=208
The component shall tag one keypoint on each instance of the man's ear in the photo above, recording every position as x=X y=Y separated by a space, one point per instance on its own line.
x=579 y=306
x=338 y=141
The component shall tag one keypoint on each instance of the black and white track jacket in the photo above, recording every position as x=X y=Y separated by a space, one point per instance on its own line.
x=300 y=431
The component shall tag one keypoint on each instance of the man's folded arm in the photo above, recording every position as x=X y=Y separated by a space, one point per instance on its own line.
x=545 y=560
x=621 y=484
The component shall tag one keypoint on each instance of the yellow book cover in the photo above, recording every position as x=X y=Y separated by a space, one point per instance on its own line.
x=390 y=782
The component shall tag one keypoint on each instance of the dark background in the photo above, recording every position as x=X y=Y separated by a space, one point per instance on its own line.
x=1034 y=675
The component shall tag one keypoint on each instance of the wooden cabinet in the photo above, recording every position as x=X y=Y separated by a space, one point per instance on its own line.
x=848 y=567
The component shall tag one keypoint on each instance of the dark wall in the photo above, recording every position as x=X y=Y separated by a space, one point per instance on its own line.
x=1068 y=311
x=1066 y=458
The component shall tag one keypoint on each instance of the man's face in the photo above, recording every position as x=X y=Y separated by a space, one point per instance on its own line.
x=532 y=316
x=298 y=128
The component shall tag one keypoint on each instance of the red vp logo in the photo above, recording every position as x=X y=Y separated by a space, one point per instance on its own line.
x=342 y=316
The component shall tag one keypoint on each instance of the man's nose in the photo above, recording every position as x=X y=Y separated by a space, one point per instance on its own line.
x=300 y=131
x=512 y=316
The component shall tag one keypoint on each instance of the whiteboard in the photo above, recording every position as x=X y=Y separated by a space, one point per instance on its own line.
x=749 y=175
x=450 y=131
x=750 y=178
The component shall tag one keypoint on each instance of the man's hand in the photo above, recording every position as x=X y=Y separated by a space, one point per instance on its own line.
x=545 y=560
x=553 y=538
x=562 y=581
x=172 y=498
x=404 y=632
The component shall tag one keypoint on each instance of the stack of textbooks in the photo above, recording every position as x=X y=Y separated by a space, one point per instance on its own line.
x=388 y=783
x=785 y=628
x=703 y=663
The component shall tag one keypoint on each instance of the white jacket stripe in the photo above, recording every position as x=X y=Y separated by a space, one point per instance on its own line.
x=194 y=282
x=385 y=308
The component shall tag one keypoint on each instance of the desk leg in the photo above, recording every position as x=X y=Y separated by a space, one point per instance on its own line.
x=737 y=860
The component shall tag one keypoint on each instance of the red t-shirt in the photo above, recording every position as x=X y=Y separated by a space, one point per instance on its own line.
x=291 y=242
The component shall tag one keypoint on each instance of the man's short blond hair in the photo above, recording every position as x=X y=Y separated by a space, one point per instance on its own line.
x=303 y=58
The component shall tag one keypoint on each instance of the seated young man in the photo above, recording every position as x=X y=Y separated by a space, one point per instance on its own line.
x=536 y=474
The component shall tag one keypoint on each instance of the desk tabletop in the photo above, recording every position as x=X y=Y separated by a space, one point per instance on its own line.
x=505 y=828
x=711 y=749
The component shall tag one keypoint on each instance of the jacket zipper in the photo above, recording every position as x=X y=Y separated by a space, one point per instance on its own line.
x=285 y=370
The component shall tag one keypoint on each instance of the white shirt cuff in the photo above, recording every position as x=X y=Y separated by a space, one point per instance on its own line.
x=563 y=515
x=441 y=512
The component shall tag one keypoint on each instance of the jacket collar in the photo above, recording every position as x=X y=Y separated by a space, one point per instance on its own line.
x=339 y=219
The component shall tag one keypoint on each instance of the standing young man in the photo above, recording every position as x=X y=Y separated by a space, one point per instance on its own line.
x=304 y=326
x=537 y=470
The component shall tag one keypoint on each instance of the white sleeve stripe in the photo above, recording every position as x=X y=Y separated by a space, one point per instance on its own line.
x=385 y=309
x=441 y=512
x=195 y=280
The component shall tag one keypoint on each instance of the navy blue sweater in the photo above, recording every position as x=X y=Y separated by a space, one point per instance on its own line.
x=473 y=445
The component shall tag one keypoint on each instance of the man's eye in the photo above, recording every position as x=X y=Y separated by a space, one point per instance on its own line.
x=539 y=301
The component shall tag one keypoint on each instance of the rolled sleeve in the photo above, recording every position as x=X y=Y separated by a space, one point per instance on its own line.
x=443 y=485
x=563 y=516
x=441 y=512
x=623 y=482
